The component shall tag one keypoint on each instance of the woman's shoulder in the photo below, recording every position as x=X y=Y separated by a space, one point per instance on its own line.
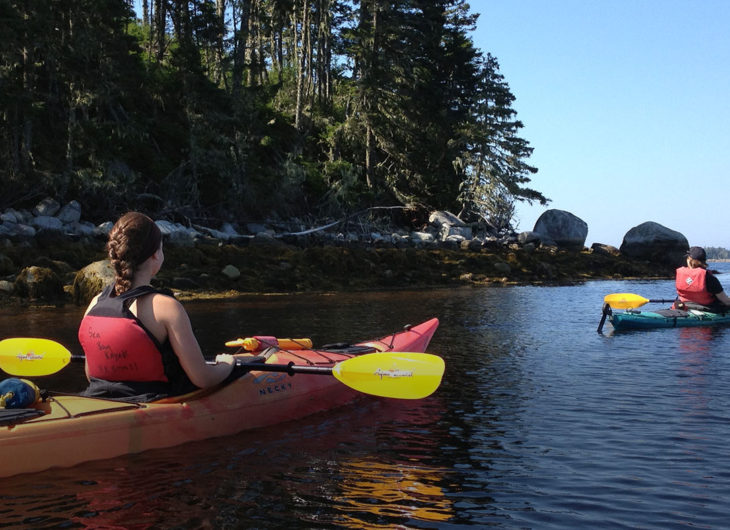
x=163 y=301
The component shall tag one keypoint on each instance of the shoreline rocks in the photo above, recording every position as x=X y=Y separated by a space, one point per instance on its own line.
x=63 y=261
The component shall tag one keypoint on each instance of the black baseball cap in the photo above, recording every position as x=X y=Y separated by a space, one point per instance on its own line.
x=697 y=253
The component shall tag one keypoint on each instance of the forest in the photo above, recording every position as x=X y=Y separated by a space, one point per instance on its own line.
x=234 y=110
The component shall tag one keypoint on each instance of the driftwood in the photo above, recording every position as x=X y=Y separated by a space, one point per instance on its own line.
x=344 y=220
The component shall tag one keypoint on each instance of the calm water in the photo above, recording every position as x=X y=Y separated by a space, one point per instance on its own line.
x=540 y=423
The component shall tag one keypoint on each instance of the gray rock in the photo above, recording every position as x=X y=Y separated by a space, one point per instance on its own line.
x=47 y=207
x=563 y=228
x=105 y=227
x=422 y=237
x=178 y=234
x=21 y=231
x=528 y=237
x=83 y=228
x=9 y=216
x=231 y=272
x=441 y=218
x=23 y=216
x=447 y=231
x=455 y=238
x=46 y=222
x=605 y=250
x=70 y=213
x=400 y=241
x=377 y=237
x=656 y=243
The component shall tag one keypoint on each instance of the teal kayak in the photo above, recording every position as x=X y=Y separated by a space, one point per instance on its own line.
x=666 y=318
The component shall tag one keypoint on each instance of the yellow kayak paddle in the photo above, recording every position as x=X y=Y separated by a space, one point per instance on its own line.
x=402 y=375
x=629 y=300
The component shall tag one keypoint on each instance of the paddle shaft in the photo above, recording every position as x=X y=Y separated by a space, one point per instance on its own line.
x=241 y=365
x=290 y=368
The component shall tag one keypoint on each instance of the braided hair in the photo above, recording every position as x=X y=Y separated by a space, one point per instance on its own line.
x=133 y=239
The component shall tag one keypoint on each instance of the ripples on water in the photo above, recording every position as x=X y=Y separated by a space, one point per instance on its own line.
x=540 y=423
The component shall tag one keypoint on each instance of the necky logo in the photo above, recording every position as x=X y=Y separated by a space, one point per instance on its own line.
x=688 y=281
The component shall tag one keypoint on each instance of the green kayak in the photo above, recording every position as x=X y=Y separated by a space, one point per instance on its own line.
x=666 y=318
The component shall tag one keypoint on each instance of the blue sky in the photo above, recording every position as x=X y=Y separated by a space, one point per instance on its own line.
x=627 y=106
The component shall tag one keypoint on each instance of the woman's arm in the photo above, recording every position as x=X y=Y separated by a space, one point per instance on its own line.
x=725 y=299
x=170 y=313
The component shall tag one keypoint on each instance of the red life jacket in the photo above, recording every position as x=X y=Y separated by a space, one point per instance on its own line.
x=692 y=286
x=116 y=344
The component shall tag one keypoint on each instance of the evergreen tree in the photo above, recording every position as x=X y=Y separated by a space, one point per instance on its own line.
x=493 y=163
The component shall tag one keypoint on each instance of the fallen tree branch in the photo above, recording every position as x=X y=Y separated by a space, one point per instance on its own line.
x=343 y=220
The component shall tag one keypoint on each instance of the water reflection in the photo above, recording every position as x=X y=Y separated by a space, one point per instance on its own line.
x=375 y=492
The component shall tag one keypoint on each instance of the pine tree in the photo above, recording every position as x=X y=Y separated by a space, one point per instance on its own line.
x=493 y=164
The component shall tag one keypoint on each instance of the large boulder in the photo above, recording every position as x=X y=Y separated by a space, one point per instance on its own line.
x=91 y=280
x=562 y=228
x=39 y=283
x=656 y=243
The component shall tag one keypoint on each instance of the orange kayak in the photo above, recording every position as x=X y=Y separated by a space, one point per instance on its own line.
x=75 y=429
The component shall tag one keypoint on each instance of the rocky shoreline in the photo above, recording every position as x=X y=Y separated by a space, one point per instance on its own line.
x=66 y=271
x=56 y=264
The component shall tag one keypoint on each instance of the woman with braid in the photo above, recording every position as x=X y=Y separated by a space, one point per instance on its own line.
x=139 y=343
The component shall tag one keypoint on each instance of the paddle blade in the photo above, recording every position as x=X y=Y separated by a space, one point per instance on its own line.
x=391 y=374
x=625 y=300
x=32 y=357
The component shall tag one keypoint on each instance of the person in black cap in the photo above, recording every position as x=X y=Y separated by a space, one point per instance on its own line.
x=696 y=285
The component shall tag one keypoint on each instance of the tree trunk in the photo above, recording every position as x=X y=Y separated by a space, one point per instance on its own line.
x=301 y=64
x=146 y=12
x=159 y=29
x=239 y=46
x=218 y=76
x=369 y=156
